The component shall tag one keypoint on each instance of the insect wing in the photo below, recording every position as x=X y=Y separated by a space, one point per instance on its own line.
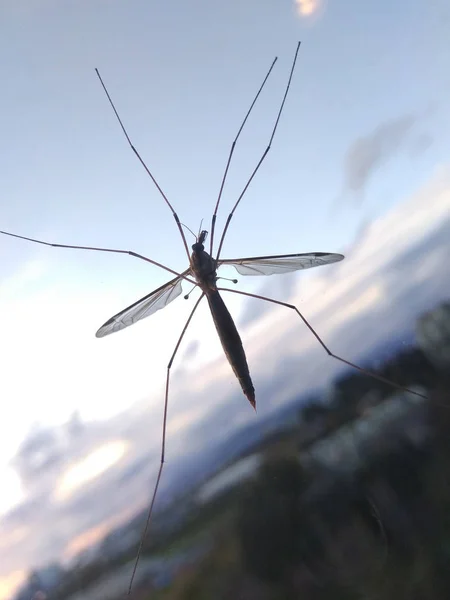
x=283 y=263
x=144 y=307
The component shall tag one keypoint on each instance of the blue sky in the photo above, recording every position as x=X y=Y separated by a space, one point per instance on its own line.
x=368 y=103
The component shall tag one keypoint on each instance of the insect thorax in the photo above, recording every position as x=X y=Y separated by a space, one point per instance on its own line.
x=203 y=266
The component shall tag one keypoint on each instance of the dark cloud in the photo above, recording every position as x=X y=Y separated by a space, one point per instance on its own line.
x=191 y=350
x=52 y=520
x=46 y=452
x=75 y=425
x=39 y=451
x=368 y=153
x=419 y=144
x=134 y=470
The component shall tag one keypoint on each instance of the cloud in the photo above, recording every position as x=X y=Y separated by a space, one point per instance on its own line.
x=11 y=582
x=80 y=498
x=368 y=153
x=89 y=467
x=277 y=287
x=39 y=450
x=190 y=351
x=420 y=144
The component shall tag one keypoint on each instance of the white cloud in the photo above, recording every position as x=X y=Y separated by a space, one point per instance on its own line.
x=12 y=491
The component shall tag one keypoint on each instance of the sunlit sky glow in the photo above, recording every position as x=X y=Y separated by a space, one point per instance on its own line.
x=308 y=8
x=88 y=468
x=360 y=165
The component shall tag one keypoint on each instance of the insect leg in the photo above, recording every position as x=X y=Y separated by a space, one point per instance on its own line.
x=141 y=160
x=163 y=447
x=114 y=250
x=325 y=347
x=266 y=151
x=213 y=221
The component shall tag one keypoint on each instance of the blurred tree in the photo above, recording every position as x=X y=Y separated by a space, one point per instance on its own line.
x=314 y=410
x=272 y=529
x=410 y=367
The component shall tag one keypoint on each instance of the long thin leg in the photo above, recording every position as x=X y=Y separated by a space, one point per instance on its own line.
x=141 y=160
x=325 y=347
x=213 y=221
x=163 y=447
x=130 y=252
x=266 y=151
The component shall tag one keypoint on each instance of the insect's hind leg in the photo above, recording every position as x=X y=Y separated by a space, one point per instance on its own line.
x=163 y=447
x=325 y=347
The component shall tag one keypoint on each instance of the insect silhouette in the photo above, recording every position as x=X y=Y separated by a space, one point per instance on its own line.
x=202 y=273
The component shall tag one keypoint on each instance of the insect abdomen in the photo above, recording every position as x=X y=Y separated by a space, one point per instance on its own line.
x=231 y=343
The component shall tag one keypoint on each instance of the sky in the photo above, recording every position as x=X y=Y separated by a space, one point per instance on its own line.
x=361 y=158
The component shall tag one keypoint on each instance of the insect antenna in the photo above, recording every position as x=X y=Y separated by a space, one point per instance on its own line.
x=265 y=153
x=230 y=155
x=200 y=229
x=189 y=229
x=141 y=160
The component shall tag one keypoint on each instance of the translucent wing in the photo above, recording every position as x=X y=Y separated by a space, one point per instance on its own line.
x=144 y=307
x=283 y=263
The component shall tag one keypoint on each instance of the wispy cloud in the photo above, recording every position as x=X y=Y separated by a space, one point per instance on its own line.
x=368 y=153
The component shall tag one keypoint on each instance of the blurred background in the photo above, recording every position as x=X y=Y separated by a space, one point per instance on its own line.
x=338 y=486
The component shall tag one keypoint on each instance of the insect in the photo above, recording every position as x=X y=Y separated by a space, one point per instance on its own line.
x=202 y=273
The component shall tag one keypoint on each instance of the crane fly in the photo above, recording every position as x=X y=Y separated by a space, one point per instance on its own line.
x=202 y=273
x=204 y=269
